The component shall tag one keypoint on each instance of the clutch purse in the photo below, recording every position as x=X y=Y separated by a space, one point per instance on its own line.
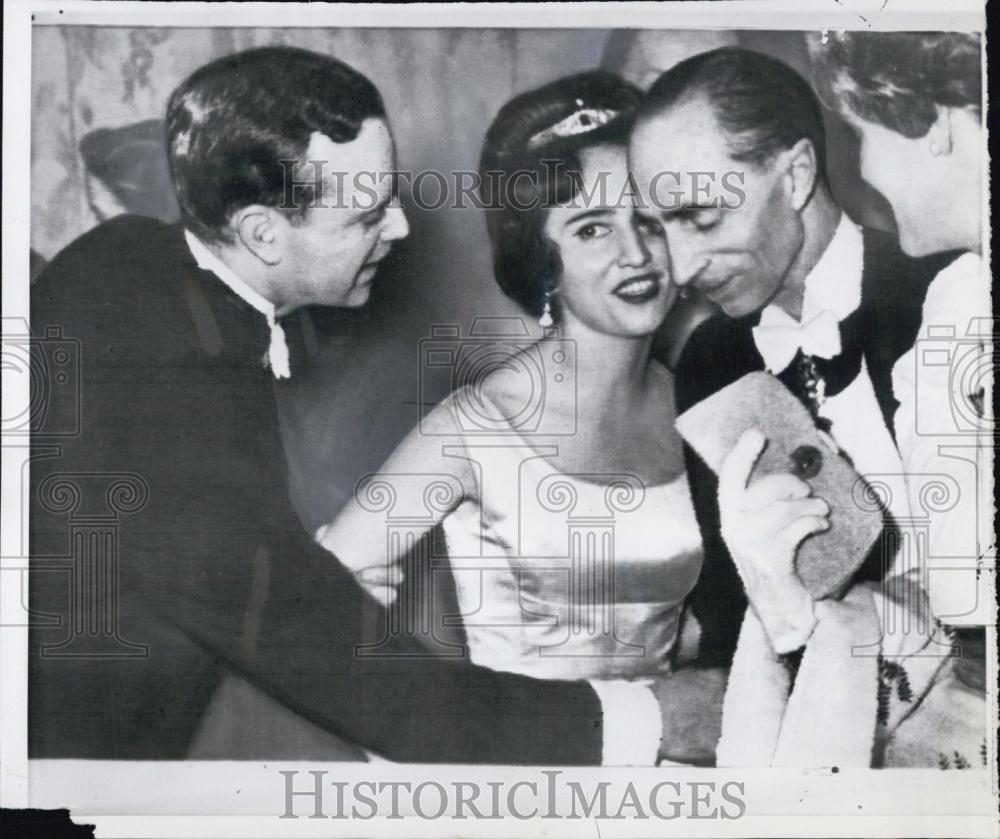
x=827 y=560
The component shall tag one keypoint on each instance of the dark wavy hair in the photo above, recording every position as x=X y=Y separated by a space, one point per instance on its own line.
x=524 y=171
x=232 y=121
x=898 y=79
x=762 y=104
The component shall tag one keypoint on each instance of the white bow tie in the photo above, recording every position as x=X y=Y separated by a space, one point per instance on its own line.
x=778 y=338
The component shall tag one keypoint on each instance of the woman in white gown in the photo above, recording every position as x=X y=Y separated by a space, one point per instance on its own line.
x=915 y=101
x=555 y=471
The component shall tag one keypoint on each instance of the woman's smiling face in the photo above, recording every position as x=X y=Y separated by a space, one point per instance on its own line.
x=615 y=267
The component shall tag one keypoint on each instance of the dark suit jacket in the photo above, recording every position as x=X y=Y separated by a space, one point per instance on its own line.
x=722 y=350
x=215 y=572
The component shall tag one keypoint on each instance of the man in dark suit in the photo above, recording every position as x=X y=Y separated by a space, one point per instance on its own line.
x=730 y=146
x=202 y=571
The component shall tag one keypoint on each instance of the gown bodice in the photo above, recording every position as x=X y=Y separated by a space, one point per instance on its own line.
x=569 y=576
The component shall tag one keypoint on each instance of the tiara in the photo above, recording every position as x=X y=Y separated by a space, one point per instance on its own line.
x=579 y=122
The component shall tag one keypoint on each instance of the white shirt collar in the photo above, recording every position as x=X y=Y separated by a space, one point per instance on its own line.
x=834 y=283
x=278 y=350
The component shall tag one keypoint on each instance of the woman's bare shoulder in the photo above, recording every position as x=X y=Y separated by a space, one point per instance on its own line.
x=443 y=419
x=537 y=377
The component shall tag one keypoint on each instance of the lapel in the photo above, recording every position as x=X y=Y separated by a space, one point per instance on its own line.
x=223 y=325
x=893 y=288
x=719 y=352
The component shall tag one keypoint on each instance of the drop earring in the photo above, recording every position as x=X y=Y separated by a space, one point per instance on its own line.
x=545 y=320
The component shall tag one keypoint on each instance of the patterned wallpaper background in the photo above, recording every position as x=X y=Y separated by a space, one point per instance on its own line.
x=441 y=87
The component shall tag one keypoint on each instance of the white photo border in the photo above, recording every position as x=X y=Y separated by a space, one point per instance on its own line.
x=137 y=799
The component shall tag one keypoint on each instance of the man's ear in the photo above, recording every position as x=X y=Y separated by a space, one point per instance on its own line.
x=261 y=231
x=802 y=171
x=940 y=138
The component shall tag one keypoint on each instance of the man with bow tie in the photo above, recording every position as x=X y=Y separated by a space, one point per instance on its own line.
x=218 y=587
x=802 y=291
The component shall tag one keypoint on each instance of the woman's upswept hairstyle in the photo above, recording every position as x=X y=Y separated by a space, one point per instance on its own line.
x=899 y=79
x=531 y=162
x=233 y=121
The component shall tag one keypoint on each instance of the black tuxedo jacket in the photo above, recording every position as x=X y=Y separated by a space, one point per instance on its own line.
x=722 y=350
x=215 y=571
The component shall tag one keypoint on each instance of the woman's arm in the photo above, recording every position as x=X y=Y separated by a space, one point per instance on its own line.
x=423 y=480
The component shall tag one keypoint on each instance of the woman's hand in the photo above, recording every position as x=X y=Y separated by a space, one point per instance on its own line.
x=382 y=582
x=763 y=525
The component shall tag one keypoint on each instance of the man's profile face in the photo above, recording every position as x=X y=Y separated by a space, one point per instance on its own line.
x=334 y=251
x=736 y=250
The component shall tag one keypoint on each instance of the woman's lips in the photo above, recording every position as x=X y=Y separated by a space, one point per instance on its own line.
x=638 y=289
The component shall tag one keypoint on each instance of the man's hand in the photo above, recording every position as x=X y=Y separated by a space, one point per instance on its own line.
x=691 y=710
x=763 y=525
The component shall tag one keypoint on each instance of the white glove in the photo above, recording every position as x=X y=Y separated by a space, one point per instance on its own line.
x=763 y=525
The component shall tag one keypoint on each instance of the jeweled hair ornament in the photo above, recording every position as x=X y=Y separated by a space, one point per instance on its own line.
x=580 y=121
